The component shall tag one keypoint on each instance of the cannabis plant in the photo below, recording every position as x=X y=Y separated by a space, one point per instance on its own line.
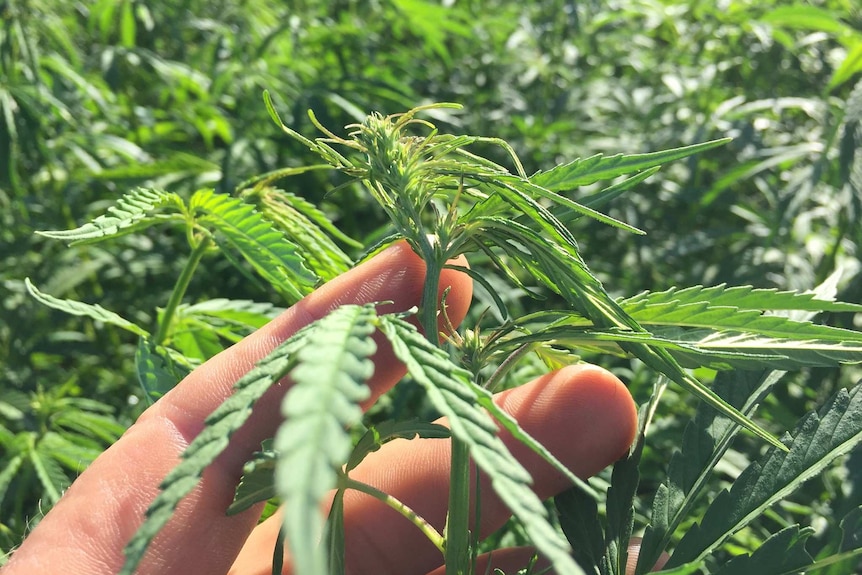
x=446 y=200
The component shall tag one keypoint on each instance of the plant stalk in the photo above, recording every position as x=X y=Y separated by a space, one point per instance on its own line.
x=180 y=288
x=457 y=546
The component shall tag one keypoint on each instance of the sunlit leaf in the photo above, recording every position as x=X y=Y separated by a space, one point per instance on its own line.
x=93 y=311
x=210 y=442
x=260 y=243
x=586 y=171
x=133 y=212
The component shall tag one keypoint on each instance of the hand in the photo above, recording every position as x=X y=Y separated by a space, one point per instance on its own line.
x=583 y=414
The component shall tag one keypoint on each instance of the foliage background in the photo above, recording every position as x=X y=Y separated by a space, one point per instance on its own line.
x=99 y=97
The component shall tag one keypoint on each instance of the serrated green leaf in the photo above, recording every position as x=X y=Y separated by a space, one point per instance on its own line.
x=817 y=441
x=783 y=552
x=240 y=312
x=157 y=372
x=555 y=261
x=306 y=226
x=93 y=311
x=194 y=339
x=620 y=513
x=579 y=519
x=705 y=440
x=851 y=528
x=377 y=435
x=71 y=455
x=741 y=297
x=582 y=172
x=695 y=348
x=211 y=441
x=263 y=246
x=9 y=471
x=257 y=482
x=447 y=387
x=51 y=476
x=133 y=212
x=313 y=442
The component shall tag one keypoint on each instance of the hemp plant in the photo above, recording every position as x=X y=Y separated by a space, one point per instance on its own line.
x=446 y=200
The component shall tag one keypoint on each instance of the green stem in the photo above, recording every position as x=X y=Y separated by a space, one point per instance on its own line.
x=426 y=528
x=457 y=554
x=180 y=289
x=458 y=521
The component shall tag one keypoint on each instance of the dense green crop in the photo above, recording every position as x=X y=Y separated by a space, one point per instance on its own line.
x=151 y=116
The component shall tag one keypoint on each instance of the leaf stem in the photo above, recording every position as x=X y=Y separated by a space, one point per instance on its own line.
x=394 y=503
x=180 y=289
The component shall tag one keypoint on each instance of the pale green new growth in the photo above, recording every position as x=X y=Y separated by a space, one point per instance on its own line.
x=329 y=384
x=133 y=212
x=271 y=254
x=93 y=311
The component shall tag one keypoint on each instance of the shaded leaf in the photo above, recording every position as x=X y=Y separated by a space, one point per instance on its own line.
x=783 y=552
x=376 y=436
x=705 y=440
x=818 y=439
x=258 y=480
x=157 y=371
x=579 y=519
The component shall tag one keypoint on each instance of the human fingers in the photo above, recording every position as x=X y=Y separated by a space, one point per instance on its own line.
x=582 y=414
x=86 y=531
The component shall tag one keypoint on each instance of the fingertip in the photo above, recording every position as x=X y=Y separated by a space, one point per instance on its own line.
x=582 y=413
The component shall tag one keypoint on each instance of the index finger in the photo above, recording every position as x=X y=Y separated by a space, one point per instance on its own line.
x=87 y=530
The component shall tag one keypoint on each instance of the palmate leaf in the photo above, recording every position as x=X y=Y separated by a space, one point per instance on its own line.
x=260 y=243
x=695 y=348
x=93 y=311
x=211 y=441
x=705 y=440
x=582 y=172
x=51 y=476
x=726 y=327
x=447 y=387
x=554 y=260
x=135 y=211
x=817 y=440
x=579 y=520
x=313 y=442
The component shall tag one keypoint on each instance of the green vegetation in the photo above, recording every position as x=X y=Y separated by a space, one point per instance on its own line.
x=206 y=218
